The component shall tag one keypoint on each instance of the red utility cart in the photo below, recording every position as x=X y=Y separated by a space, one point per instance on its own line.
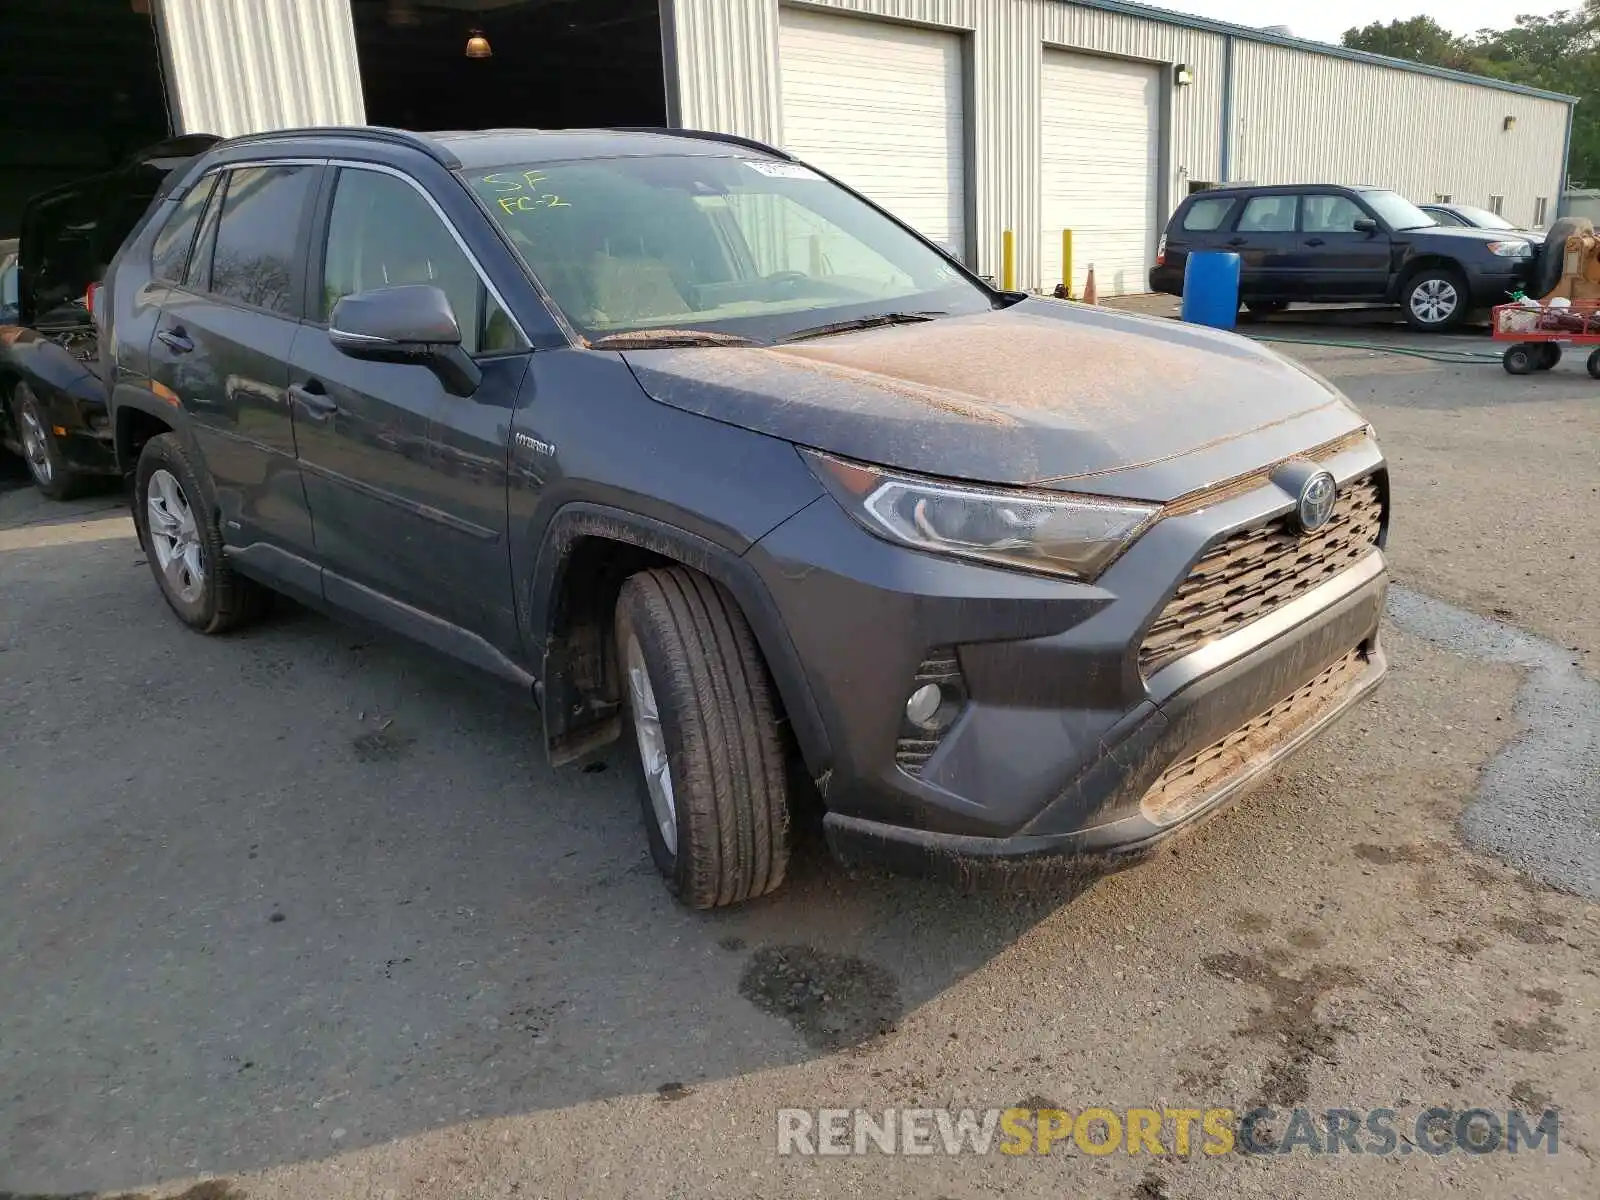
x=1537 y=332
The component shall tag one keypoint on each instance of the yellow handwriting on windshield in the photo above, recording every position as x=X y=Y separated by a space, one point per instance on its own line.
x=522 y=193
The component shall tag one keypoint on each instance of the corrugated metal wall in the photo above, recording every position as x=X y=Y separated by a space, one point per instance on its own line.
x=240 y=66
x=1296 y=114
x=1295 y=119
x=728 y=81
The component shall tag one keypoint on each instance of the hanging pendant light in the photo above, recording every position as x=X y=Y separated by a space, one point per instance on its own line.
x=478 y=45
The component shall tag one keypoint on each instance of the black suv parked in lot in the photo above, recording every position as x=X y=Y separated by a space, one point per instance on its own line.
x=1324 y=244
x=687 y=440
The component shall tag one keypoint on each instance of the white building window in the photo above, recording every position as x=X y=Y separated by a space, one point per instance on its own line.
x=1441 y=197
x=1496 y=203
x=1539 y=211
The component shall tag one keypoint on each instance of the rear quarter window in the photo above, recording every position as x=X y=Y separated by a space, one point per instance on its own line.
x=1207 y=215
x=170 y=254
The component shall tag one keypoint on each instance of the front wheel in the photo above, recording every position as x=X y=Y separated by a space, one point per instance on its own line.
x=1435 y=300
x=183 y=544
x=46 y=464
x=714 y=791
x=1520 y=359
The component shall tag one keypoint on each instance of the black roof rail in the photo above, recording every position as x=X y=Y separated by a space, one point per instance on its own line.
x=707 y=135
x=371 y=133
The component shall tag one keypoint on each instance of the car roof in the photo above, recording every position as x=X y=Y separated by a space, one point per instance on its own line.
x=1274 y=189
x=478 y=148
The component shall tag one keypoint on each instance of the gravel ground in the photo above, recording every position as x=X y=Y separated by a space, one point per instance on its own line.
x=304 y=911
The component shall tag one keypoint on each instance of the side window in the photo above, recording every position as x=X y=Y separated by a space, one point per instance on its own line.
x=382 y=233
x=1204 y=216
x=1445 y=217
x=1269 y=214
x=258 y=236
x=1329 y=214
x=169 y=257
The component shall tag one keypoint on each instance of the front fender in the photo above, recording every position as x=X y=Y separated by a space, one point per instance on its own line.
x=562 y=699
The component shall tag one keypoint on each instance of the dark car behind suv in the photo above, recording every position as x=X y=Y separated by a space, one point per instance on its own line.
x=1325 y=244
x=697 y=446
x=52 y=400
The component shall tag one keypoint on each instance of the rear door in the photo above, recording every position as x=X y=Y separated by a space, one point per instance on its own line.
x=1338 y=260
x=1265 y=238
x=223 y=340
x=407 y=483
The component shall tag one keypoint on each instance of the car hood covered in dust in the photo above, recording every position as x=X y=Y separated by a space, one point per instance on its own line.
x=1040 y=393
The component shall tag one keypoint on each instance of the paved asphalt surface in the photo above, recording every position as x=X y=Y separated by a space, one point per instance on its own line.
x=303 y=911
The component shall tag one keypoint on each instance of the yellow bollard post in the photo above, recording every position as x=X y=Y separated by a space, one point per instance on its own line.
x=1008 y=261
x=1066 y=261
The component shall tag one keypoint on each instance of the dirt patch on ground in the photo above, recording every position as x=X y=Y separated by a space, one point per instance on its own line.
x=833 y=1000
x=1289 y=1019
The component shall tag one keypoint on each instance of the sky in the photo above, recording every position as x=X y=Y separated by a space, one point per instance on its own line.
x=1327 y=21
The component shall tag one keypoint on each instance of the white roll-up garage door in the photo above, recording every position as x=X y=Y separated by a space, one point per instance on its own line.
x=1102 y=129
x=881 y=107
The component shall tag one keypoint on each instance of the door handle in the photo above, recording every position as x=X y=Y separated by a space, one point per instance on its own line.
x=314 y=398
x=1315 y=242
x=176 y=340
x=1238 y=241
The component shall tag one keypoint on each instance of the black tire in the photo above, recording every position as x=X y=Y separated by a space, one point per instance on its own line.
x=1594 y=364
x=718 y=719
x=1551 y=259
x=1265 y=308
x=224 y=599
x=1519 y=359
x=1438 y=282
x=47 y=466
x=1549 y=355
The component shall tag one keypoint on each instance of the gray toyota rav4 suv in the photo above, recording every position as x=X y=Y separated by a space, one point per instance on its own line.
x=701 y=449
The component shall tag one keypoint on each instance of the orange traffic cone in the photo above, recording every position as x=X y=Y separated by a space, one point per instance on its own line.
x=1091 y=294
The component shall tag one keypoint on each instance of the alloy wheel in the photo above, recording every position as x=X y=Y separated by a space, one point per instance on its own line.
x=652 y=745
x=174 y=537
x=1434 y=300
x=35 y=444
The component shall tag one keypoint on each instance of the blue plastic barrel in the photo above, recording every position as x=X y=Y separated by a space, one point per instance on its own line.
x=1211 y=288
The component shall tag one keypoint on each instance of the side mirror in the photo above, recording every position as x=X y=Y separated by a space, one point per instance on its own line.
x=1365 y=225
x=409 y=323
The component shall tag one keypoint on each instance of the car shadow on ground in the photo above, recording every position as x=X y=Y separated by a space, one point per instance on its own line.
x=304 y=889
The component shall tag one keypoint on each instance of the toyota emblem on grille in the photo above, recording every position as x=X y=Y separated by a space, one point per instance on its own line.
x=1317 y=497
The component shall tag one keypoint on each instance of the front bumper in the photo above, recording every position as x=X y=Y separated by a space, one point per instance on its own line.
x=1494 y=284
x=1064 y=750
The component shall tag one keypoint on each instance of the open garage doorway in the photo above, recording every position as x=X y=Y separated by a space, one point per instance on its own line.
x=80 y=92
x=480 y=64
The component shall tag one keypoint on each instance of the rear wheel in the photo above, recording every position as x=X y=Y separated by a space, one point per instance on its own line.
x=1435 y=300
x=714 y=792
x=46 y=464
x=1594 y=364
x=183 y=544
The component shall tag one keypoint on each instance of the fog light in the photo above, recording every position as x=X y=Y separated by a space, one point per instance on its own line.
x=922 y=709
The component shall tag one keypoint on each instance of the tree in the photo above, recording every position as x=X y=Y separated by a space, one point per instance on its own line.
x=1417 y=39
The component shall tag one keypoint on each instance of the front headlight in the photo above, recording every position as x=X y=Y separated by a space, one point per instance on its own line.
x=1511 y=249
x=1051 y=532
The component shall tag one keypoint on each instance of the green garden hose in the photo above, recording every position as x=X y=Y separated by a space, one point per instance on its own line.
x=1462 y=357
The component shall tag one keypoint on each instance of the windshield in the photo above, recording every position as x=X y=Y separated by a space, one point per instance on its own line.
x=756 y=248
x=1483 y=218
x=1397 y=212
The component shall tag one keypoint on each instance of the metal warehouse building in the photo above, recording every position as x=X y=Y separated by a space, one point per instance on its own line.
x=967 y=118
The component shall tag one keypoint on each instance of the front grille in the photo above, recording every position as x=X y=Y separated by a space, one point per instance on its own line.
x=1260 y=569
x=1186 y=786
x=916 y=746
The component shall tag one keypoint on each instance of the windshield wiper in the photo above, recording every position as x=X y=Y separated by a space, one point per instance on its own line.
x=666 y=339
x=894 y=318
